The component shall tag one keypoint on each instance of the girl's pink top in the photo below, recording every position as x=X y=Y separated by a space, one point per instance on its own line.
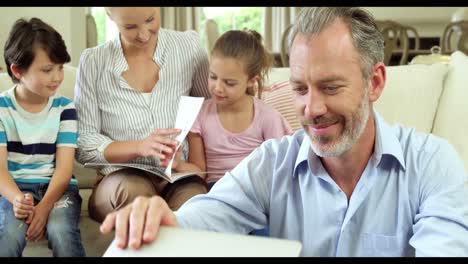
x=223 y=149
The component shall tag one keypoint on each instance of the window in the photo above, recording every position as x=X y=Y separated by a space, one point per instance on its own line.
x=106 y=29
x=229 y=18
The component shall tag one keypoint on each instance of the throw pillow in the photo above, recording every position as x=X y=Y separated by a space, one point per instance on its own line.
x=279 y=95
x=411 y=95
x=451 y=121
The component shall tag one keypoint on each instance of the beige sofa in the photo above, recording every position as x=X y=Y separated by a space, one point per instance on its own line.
x=431 y=98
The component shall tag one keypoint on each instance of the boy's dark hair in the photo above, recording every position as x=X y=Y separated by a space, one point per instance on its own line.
x=25 y=37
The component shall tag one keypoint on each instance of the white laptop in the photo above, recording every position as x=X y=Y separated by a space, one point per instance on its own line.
x=177 y=242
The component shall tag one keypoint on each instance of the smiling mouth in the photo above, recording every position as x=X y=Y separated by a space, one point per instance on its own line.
x=322 y=129
x=322 y=126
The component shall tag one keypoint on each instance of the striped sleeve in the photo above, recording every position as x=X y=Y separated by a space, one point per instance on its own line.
x=3 y=137
x=4 y=104
x=91 y=143
x=201 y=69
x=68 y=134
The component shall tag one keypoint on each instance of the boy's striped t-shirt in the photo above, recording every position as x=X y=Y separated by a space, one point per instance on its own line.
x=33 y=138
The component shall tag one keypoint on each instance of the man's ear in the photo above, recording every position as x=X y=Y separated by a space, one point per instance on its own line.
x=377 y=81
x=16 y=71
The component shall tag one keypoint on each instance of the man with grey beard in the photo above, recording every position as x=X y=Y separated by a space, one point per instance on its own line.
x=347 y=184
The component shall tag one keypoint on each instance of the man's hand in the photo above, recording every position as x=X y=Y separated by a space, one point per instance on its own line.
x=37 y=222
x=23 y=205
x=139 y=221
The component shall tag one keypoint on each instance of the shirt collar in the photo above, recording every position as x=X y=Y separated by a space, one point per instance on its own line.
x=120 y=65
x=386 y=143
x=304 y=150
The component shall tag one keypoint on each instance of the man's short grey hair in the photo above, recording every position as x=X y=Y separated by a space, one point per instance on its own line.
x=367 y=39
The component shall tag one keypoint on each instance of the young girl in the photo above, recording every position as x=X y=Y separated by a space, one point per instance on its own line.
x=233 y=122
x=38 y=134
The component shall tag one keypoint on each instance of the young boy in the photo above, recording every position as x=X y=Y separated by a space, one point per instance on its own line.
x=38 y=135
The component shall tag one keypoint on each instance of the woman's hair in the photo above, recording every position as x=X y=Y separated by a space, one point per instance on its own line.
x=25 y=37
x=246 y=46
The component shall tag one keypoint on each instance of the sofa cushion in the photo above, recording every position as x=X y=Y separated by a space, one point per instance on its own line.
x=451 y=121
x=86 y=177
x=279 y=95
x=411 y=95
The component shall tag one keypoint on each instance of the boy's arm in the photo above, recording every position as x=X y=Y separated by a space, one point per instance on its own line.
x=64 y=157
x=66 y=144
x=8 y=187
x=57 y=186
x=61 y=177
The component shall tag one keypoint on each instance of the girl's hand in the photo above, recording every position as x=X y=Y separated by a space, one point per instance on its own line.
x=177 y=159
x=159 y=144
x=37 y=222
x=23 y=205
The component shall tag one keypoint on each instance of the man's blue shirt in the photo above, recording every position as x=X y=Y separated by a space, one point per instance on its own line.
x=410 y=200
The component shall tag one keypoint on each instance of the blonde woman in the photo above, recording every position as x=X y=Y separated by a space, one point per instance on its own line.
x=127 y=93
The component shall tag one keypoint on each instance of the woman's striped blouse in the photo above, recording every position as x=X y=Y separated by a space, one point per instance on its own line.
x=110 y=110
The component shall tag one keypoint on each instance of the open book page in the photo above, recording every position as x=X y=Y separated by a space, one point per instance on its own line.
x=151 y=169
x=178 y=242
x=148 y=168
x=186 y=116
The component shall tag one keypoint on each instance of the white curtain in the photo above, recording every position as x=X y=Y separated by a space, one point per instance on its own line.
x=180 y=18
x=276 y=20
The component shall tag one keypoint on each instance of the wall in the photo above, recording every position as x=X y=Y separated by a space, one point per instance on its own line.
x=71 y=23
x=68 y=21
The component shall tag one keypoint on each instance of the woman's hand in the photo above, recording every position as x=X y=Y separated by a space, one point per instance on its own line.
x=160 y=144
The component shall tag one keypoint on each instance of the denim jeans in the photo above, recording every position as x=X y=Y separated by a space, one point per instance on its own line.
x=210 y=185
x=62 y=228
